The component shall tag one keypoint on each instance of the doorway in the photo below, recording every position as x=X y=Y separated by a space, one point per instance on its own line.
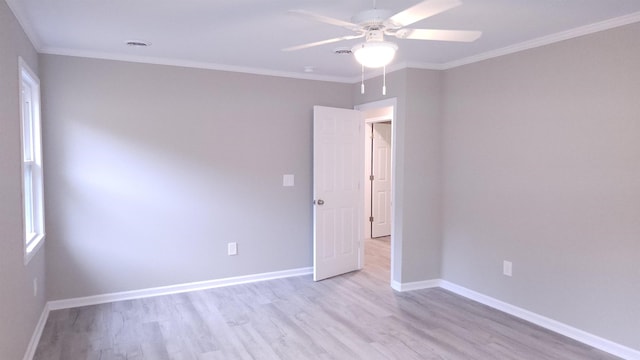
x=378 y=168
x=335 y=131
x=379 y=172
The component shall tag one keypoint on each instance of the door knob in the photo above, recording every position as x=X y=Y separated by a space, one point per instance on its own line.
x=320 y=202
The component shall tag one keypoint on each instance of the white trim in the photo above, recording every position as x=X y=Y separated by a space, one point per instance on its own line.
x=175 y=289
x=545 y=322
x=424 y=66
x=29 y=80
x=526 y=45
x=192 y=64
x=416 y=285
x=391 y=102
x=24 y=23
x=370 y=74
x=546 y=40
x=145 y=293
x=378 y=119
x=37 y=333
x=374 y=73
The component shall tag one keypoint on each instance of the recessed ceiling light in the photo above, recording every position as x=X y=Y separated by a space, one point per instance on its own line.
x=137 y=43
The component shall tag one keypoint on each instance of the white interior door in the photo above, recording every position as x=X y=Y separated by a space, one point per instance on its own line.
x=338 y=165
x=381 y=186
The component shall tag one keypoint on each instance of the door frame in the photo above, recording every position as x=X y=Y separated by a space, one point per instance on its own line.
x=369 y=168
x=370 y=106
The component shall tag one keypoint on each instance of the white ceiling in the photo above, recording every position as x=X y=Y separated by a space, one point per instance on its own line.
x=248 y=35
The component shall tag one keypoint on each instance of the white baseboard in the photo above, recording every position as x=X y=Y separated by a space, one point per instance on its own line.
x=175 y=289
x=37 y=333
x=553 y=325
x=145 y=293
x=545 y=322
x=416 y=285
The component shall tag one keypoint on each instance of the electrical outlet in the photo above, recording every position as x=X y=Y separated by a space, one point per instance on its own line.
x=35 y=286
x=507 y=268
x=232 y=248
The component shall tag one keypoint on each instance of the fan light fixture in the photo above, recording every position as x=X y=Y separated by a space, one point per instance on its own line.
x=375 y=54
x=374 y=24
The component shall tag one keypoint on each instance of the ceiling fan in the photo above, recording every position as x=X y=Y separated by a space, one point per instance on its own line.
x=374 y=23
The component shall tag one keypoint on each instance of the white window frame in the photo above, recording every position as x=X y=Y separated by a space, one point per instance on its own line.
x=31 y=150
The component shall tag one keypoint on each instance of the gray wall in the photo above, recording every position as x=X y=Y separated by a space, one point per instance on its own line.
x=156 y=168
x=417 y=220
x=150 y=170
x=542 y=167
x=19 y=309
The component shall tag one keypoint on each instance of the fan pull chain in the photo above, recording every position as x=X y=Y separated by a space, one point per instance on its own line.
x=362 y=84
x=384 y=81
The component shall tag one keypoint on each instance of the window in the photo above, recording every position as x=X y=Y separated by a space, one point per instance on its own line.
x=32 y=187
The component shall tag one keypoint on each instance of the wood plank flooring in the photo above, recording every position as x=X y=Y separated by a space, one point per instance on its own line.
x=354 y=316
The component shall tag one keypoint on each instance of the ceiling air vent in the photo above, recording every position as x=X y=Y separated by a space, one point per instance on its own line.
x=342 y=51
x=137 y=43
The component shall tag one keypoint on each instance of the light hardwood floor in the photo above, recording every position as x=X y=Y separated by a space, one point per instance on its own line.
x=354 y=316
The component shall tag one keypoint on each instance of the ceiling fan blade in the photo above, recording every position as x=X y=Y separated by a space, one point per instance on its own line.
x=323 y=42
x=421 y=11
x=326 y=19
x=438 y=35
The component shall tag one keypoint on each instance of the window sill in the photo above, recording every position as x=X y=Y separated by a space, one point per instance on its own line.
x=34 y=245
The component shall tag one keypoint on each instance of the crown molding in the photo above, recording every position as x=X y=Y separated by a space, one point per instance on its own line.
x=374 y=73
x=25 y=24
x=546 y=40
x=541 y=41
x=424 y=66
x=190 y=64
x=368 y=74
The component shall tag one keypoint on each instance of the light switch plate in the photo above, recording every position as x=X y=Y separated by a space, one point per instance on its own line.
x=288 y=180
x=232 y=248
x=507 y=268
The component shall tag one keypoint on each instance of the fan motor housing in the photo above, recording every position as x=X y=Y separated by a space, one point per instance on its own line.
x=374 y=35
x=372 y=19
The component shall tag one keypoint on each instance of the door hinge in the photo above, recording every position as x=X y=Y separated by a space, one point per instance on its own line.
x=370 y=218
x=371 y=177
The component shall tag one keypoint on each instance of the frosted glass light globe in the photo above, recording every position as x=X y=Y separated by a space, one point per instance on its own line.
x=375 y=54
